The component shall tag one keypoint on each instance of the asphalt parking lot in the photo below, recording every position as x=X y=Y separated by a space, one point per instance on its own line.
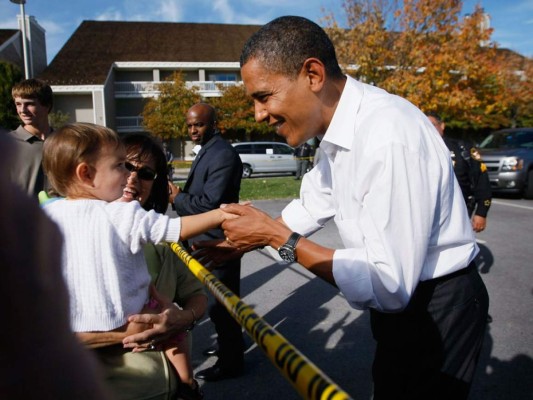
x=315 y=318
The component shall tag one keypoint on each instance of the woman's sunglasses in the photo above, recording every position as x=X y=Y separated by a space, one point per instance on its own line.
x=144 y=173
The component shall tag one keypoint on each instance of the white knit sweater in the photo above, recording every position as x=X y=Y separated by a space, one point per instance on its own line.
x=103 y=262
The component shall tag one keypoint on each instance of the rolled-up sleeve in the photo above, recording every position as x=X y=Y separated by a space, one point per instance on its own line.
x=315 y=206
x=298 y=219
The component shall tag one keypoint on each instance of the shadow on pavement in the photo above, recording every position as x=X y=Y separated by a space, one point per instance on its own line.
x=343 y=350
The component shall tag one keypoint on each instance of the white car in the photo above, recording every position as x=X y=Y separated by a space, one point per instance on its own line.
x=265 y=157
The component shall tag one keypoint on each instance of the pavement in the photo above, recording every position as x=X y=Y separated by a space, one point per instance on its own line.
x=180 y=174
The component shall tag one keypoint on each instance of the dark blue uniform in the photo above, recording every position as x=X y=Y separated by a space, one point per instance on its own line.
x=472 y=176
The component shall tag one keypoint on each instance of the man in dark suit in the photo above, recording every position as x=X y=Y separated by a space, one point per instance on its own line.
x=214 y=179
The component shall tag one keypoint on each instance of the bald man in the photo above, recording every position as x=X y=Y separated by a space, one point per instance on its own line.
x=214 y=179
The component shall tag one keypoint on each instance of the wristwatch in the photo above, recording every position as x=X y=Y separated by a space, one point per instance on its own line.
x=287 y=252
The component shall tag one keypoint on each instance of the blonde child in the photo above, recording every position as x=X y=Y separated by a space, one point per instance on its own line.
x=103 y=262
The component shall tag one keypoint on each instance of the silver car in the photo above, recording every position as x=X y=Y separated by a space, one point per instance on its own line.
x=265 y=157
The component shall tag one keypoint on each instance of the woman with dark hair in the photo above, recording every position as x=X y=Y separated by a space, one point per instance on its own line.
x=143 y=150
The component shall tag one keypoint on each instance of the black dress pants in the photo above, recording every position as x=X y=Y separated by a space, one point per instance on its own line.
x=430 y=350
x=229 y=333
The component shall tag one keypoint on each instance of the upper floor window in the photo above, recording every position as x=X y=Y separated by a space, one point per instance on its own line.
x=223 y=77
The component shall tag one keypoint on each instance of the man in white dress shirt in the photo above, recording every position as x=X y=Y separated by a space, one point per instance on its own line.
x=386 y=178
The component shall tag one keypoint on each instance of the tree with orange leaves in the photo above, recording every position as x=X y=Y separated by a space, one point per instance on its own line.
x=425 y=51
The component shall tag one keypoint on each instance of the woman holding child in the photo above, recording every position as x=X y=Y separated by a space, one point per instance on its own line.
x=103 y=170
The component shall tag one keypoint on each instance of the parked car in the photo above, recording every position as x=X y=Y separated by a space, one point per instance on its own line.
x=508 y=154
x=265 y=157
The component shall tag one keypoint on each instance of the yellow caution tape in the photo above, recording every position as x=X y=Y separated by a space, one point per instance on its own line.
x=306 y=377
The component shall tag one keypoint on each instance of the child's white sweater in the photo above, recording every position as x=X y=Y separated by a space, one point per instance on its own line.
x=103 y=262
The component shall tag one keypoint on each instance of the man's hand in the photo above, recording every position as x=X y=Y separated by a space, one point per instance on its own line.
x=253 y=228
x=212 y=253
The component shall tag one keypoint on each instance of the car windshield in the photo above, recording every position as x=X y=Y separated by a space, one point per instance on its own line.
x=507 y=140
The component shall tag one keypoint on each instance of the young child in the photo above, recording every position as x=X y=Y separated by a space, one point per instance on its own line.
x=103 y=262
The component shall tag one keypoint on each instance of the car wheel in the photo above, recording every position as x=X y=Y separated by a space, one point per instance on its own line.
x=246 y=171
x=528 y=190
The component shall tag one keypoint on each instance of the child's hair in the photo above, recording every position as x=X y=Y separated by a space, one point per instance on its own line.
x=71 y=145
x=34 y=89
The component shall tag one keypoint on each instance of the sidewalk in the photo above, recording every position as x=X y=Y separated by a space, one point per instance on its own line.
x=180 y=174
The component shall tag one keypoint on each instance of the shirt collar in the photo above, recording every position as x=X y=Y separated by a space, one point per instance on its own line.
x=345 y=115
x=26 y=135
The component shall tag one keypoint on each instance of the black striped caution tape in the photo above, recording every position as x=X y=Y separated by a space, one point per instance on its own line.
x=306 y=377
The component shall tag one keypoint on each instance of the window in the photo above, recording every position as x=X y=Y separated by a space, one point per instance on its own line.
x=223 y=77
x=244 y=149
x=263 y=148
x=282 y=149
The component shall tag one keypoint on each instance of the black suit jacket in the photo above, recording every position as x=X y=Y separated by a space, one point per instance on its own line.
x=214 y=179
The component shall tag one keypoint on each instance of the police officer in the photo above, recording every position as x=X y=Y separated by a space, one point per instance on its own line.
x=471 y=174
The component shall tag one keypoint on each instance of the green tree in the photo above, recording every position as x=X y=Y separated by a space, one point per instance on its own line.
x=9 y=75
x=58 y=119
x=164 y=116
x=236 y=116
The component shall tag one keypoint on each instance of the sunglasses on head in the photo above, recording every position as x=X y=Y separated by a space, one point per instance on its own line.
x=144 y=173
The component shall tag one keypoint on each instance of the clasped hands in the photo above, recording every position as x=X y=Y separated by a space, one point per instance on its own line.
x=247 y=229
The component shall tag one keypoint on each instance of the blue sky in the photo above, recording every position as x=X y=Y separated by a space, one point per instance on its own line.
x=512 y=20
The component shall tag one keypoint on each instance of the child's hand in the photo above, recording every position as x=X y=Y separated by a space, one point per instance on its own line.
x=227 y=215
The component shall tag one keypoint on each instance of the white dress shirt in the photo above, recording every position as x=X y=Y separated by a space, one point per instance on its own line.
x=386 y=178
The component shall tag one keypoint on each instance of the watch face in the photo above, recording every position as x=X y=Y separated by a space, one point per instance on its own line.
x=287 y=253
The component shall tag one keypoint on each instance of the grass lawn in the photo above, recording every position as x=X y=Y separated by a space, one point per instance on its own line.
x=266 y=188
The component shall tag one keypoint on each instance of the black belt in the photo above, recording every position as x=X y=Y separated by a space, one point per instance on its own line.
x=464 y=271
x=423 y=285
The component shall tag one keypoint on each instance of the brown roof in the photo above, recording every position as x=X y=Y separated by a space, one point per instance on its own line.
x=87 y=56
x=6 y=34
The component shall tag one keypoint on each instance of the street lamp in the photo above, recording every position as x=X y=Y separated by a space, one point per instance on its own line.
x=24 y=44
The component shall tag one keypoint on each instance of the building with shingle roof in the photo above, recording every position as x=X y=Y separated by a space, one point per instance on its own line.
x=107 y=69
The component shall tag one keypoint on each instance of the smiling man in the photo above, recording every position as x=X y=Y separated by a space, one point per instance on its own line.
x=214 y=179
x=386 y=179
x=33 y=99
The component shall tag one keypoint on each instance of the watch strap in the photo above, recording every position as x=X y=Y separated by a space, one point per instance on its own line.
x=287 y=251
x=293 y=239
